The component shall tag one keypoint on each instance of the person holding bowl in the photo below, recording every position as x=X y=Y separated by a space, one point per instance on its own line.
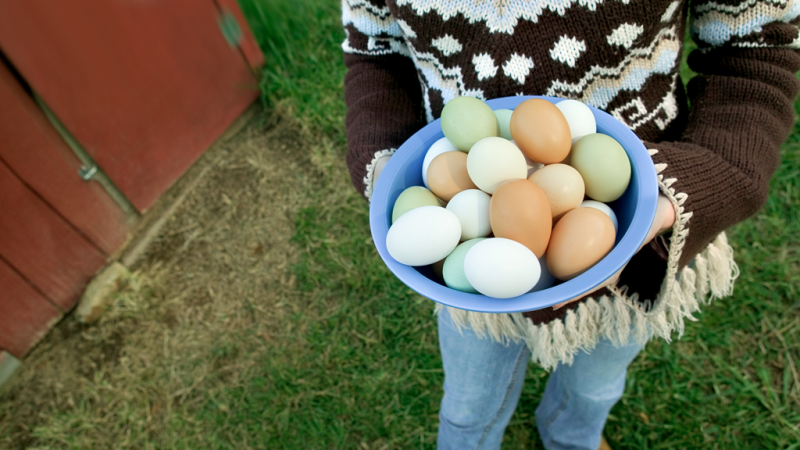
x=406 y=59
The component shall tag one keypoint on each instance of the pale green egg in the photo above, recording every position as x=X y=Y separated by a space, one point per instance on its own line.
x=453 y=271
x=411 y=198
x=467 y=120
x=504 y=122
x=604 y=166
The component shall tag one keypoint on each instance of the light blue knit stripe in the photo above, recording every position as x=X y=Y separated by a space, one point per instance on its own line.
x=718 y=32
x=634 y=81
x=369 y=26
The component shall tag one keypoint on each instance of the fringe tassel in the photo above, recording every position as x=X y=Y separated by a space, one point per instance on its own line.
x=620 y=317
x=723 y=269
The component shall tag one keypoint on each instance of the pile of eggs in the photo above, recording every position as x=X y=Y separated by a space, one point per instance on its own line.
x=513 y=200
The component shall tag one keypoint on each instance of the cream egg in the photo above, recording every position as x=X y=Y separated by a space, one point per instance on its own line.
x=563 y=187
x=493 y=161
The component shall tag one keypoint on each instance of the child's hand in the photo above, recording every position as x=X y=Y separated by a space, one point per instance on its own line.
x=663 y=221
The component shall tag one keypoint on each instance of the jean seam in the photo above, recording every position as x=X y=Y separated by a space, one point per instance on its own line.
x=504 y=404
x=564 y=401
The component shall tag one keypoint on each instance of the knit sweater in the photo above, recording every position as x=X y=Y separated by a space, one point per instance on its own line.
x=407 y=58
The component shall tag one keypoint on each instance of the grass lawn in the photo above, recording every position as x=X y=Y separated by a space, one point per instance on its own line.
x=264 y=318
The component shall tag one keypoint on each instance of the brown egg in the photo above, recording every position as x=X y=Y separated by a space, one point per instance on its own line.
x=447 y=175
x=519 y=211
x=541 y=131
x=580 y=240
x=563 y=187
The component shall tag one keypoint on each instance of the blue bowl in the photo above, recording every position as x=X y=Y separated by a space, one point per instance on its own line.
x=635 y=211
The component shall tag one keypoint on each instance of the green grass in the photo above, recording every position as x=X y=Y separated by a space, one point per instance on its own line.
x=301 y=42
x=730 y=383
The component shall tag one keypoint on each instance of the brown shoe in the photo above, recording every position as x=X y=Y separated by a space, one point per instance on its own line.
x=603 y=444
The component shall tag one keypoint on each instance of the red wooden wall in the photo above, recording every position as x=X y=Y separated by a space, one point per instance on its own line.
x=109 y=61
x=145 y=87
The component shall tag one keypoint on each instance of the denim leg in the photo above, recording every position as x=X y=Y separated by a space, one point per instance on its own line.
x=482 y=384
x=578 y=398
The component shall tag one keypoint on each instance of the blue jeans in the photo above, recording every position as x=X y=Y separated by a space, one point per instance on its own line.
x=483 y=381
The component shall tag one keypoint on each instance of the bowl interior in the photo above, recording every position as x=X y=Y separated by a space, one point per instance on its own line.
x=635 y=211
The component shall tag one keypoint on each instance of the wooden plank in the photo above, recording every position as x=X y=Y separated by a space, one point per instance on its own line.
x=248 y=45
x=41 y=245
x=145 y=86
x=25 y=314
x=39 y=157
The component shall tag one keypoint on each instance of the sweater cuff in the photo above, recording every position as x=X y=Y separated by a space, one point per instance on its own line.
x=374 y=169
x=683 y=289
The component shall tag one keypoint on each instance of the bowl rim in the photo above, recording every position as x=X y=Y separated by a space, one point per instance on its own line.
x=627 y=246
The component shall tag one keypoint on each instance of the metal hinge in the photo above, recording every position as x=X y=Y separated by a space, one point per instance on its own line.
x=86 y=173
x=230 y=28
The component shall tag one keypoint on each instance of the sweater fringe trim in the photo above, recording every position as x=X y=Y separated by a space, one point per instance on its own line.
x=619 y=317
x=369 y=178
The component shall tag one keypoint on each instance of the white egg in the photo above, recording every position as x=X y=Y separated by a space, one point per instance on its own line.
x=546 y=279
x=423 y=236
x=501 y=268
x=604 y=208
x=579 y=117
x=472 y=209
x=438 y=147
x=492 y=161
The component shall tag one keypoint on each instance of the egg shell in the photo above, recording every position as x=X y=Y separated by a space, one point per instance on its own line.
x=546 y=279
x=503 y=122
x=413 y=197
x=563 y=187
x=579 y=117
x=604 y=166
x=580 y=239
x=467 y=120
x=501 y=268
x=519 y=211
x=602 y=207
x=453 y=269
x=540 y=130
x=438 y=147
x=472 y=209
x=447 y=175
x=423 y=236
x=493 y=161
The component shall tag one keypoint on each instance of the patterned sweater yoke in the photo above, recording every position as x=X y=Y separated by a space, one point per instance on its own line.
x=407 y=58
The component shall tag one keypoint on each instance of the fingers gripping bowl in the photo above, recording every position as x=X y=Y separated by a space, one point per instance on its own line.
x=634 y=210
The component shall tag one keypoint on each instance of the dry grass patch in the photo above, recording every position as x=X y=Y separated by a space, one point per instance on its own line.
x=207 y=302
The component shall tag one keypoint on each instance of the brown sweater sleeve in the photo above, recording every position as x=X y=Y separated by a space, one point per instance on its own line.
x=741 y=112
x=381 y=88
x=384 y=108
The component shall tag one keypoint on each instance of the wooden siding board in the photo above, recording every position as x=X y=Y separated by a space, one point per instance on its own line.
x=145 y=87
x=41 y=245
x=39 y=157
x=25 y=315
